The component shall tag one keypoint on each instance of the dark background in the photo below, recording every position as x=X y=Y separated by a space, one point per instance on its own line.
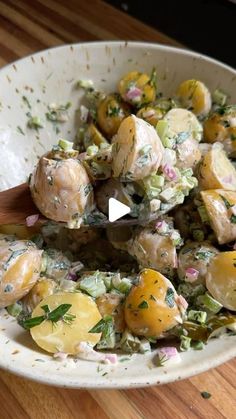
x=207 y=26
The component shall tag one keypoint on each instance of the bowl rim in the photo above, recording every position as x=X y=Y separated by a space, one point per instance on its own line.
x=145 y=380
x=126 y=43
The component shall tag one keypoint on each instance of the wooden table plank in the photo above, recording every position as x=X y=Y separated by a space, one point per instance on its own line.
x=26 y=27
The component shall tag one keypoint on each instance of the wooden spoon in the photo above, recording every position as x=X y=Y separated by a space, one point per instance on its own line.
x=16 y=205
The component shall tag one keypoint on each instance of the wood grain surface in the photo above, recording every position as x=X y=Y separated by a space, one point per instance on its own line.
x=27 y=26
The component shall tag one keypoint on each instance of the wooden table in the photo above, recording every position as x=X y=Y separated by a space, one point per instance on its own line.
x=27 y=26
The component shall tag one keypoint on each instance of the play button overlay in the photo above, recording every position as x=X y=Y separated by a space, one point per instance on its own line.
x=116 y=210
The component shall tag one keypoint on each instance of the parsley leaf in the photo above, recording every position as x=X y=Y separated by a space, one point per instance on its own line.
x=226 y=202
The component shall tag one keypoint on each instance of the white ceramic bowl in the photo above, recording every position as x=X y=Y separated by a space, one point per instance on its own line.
x=48 y=77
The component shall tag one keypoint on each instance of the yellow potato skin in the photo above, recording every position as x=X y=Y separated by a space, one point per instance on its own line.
x=20 y=231
x=143 y=82
x=216 y=171
x=154 y=118
x=219 y=214
x=112 y=305
x=93 y=136
x=221 y=127
x=110 y=112
x=158 y=317
x=194 y=94
x=65 y=337
x=42 y=289
x=221 y=279
x=22 y=272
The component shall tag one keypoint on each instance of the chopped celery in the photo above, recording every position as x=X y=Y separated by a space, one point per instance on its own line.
x=14 y=309
x=144 y=346
x=203 y=214
x=185 y=343
x=198 y=345
x=219 y=97
x=35 y=122
x=93 y=285
x=124 y=286
x=85 y=84
x=129 y=343
x=155 y=205
x=92 y=150
x=209 y=303
x=162 y=130
x=65 y=145
x=197 y=316
x=168 y=194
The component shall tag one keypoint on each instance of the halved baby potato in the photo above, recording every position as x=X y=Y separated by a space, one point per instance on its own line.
x=221 y=126
x=137 y=88
x=63 y=337
x=20 y=264
x=42 y=289
x=194 y=95
x=216 y=171
x=221 y=209
x=150 y=308
x=137 y=150
x=184 y=127
x=221 y=279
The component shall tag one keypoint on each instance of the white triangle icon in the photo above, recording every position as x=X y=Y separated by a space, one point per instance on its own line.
x=116 y=209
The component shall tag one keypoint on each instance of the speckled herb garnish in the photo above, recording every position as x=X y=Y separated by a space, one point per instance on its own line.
x=226 y=202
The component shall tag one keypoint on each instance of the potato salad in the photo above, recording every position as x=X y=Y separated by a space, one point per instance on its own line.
x=94 y=293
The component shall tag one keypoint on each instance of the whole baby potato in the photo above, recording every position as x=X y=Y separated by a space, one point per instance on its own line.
x=61 y=188
x=111 y=111
x=63 y=336
x=150 y=308
x=20 y=264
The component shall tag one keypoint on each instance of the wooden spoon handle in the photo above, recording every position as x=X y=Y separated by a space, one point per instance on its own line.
x=16 y=204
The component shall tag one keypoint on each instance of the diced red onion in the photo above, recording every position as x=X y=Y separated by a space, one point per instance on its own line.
x=180 y=301
x=227 y=179
x=72 y=276
x=133 y=93
x=162 y=227
x=84 y=113
x=169 y=353
x=149 y=113
x=82 y=156
x=85 y=351
x=60 y=355
x=31 y=220
x=191 y=274
x=169 y=172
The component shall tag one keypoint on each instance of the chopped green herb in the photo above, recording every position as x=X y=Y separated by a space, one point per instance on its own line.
x=161 y=359
x=143 y=304
x=203 y=255
x=20 y=130
x=24 y=98
x=35 y=122
x=233 y=219
x=152 y=298
x=101 y=325
x=153 y=78
x=205 y=394
x=124 y=359
x=14 y=255
x=170 y=297
x=113 y=111
x=59 y=313
x=226 y=202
